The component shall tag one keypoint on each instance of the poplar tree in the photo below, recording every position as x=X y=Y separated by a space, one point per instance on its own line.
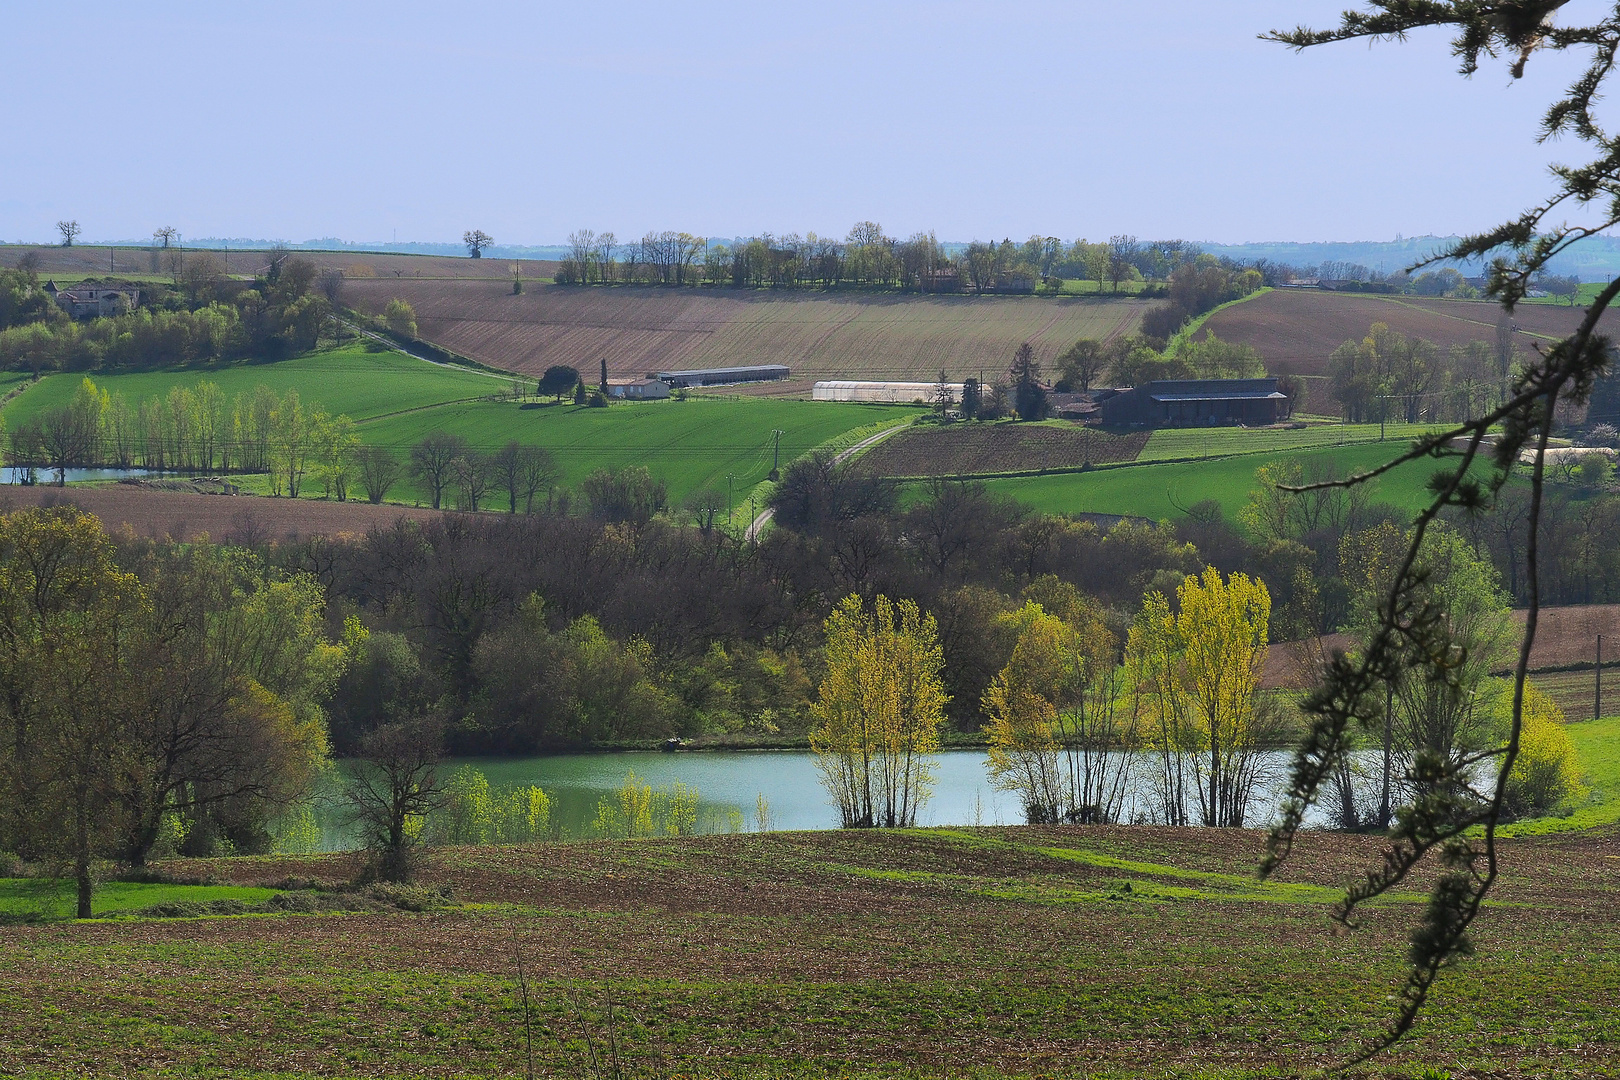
x=879 y=711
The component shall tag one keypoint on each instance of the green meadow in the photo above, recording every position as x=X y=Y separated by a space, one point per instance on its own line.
x=1165 y=491
x=350 y=381
x=54 y=898
x=396 y=400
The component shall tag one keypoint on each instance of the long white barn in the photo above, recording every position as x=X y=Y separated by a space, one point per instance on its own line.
x=893 y=393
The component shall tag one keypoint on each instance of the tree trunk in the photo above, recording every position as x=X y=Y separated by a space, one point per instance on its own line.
x=81 y=861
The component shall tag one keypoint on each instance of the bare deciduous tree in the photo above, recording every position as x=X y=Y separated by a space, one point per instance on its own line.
x=433 y=461
x=476 y=240
x=379 y=471
x=70 y=231
x=396 y=784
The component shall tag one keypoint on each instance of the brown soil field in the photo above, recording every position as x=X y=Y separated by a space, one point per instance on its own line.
x=818 y=335
x=186 y=516
x=966 y=449
x=93 y=261
x=1571 y=691
x=1298 y=329
x=1101 y=951
x=1565 y=636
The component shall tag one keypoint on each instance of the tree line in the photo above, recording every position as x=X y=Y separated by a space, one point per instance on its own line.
x=205 y=316
x=1388 y=375
x=1094 y=658
x=866 y=256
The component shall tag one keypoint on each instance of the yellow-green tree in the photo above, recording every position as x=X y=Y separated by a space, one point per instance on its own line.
x=1042 y=679
x=1055 y=732
x=879 y=711
x=1196 y=671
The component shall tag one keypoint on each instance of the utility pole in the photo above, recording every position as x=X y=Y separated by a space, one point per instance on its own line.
x=776 y=462
x=729 y=478
x=753 y=536
x=1597 y=685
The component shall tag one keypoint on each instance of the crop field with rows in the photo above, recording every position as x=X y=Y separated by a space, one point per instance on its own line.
x=818 y=335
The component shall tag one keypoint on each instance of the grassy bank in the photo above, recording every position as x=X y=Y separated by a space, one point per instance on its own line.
x=1597 y=748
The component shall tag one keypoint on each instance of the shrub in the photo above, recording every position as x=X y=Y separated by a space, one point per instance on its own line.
x=1545 y=775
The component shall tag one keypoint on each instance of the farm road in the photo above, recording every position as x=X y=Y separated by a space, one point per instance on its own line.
x=843 y=455
x=392 y=347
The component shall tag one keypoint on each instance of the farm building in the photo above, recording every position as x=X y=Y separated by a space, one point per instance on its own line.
x=639 y=390
x=89 y=301
x=1196 y=403
x=894 y=393
x=722 y=376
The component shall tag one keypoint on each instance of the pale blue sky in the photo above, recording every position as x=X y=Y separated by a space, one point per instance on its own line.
x=1161 y=118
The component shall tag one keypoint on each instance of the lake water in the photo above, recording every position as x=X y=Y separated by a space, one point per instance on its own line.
x=730 y=783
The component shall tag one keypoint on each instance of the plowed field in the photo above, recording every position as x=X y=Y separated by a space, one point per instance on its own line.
x=967 y=449
x=1118 y=952
x=185 y=516
x=818 y=335
x=1298 y=329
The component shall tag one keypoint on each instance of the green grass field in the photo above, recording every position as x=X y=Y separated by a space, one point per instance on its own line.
x=1164 y=491
x=54 y=898
x=690 y=444
x=1597 y=747
x=396 y=400
x=350 y=381
x=1177 y=444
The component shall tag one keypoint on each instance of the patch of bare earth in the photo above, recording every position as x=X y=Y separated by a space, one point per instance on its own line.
x=186 y=516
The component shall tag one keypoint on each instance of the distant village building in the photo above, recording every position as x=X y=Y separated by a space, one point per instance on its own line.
x=945 y=280
x=1196 y=403
x=1015 y=281
x=93 y=301
x=639 y=390
x=721 y=376
x=892 y=393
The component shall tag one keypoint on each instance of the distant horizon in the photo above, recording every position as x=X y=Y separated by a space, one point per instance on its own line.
x=1597 y=256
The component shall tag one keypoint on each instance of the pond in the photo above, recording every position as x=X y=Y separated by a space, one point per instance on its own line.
x=730 y=785
x=16 y=474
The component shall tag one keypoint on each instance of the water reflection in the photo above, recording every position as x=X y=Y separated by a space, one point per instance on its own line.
x=730 y=784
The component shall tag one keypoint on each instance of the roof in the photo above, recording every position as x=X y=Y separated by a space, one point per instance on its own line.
x=852 y=384
x=1235 y=395
x=721 y=371
x=1213 y=389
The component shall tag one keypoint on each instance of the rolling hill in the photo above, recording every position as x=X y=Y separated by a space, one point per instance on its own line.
x=1298 y=329
x=818 y=335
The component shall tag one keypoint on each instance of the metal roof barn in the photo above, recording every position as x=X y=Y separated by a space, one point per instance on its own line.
x=722 y=376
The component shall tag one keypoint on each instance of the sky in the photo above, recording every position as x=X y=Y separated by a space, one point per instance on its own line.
x=1075 y=118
